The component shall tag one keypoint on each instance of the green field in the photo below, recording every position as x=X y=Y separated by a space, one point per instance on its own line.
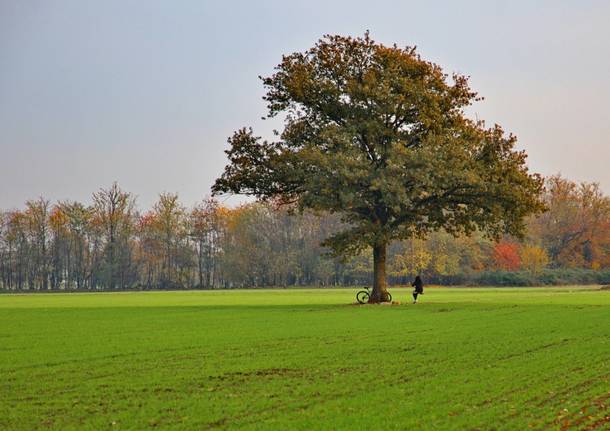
x=306 y=359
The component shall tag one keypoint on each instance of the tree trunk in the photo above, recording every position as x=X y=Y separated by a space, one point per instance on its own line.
x=380 y=288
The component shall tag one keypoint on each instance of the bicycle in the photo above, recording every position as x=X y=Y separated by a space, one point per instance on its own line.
x=363 y=295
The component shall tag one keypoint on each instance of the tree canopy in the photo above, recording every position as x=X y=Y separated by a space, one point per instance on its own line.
x=69 y=246
x=379 y=136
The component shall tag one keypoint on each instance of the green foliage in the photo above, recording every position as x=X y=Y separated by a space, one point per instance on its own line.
x=302 y=359
x=546 y=277
x=379 y=135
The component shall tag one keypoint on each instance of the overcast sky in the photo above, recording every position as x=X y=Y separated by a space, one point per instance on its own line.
x=146 y=92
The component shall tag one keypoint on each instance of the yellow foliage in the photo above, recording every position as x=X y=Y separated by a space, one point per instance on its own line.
x=534 y=258
x=414 y=259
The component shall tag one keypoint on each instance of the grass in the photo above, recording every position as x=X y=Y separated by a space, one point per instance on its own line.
x=306 y=359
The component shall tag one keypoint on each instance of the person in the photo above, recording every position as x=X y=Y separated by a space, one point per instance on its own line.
x=419 y=288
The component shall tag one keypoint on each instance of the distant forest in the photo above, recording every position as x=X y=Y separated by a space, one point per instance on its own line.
x=112 y=245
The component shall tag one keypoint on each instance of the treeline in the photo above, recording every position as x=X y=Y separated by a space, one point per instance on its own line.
x=111 y=245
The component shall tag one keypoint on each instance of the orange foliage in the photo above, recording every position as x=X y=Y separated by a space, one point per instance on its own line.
x=58 y=219
x=506 y=256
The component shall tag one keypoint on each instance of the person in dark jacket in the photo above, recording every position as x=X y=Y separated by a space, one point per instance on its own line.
x=419 y=288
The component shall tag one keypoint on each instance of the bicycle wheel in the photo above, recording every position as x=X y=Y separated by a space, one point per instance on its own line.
x=389 y=297
x=362 y=297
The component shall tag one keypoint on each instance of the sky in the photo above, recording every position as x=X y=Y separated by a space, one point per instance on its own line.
x=146 y=92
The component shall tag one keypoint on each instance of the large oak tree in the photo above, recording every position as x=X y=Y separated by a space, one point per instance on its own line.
x=379 y=135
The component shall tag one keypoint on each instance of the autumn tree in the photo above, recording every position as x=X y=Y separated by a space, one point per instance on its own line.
x=533 y=258
x=18 y=249
x=59 y=248
x=114 y=217
x=378 y=135
x=37 y=217
x=206 y=226
x=169 y=219
x=446 y=253
x=261 y=244
x=247 y=256
x=412 y=260
x=7 y=251
x=506 y=256
x=81 y=237
x=575 y=229
x=149 y=253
